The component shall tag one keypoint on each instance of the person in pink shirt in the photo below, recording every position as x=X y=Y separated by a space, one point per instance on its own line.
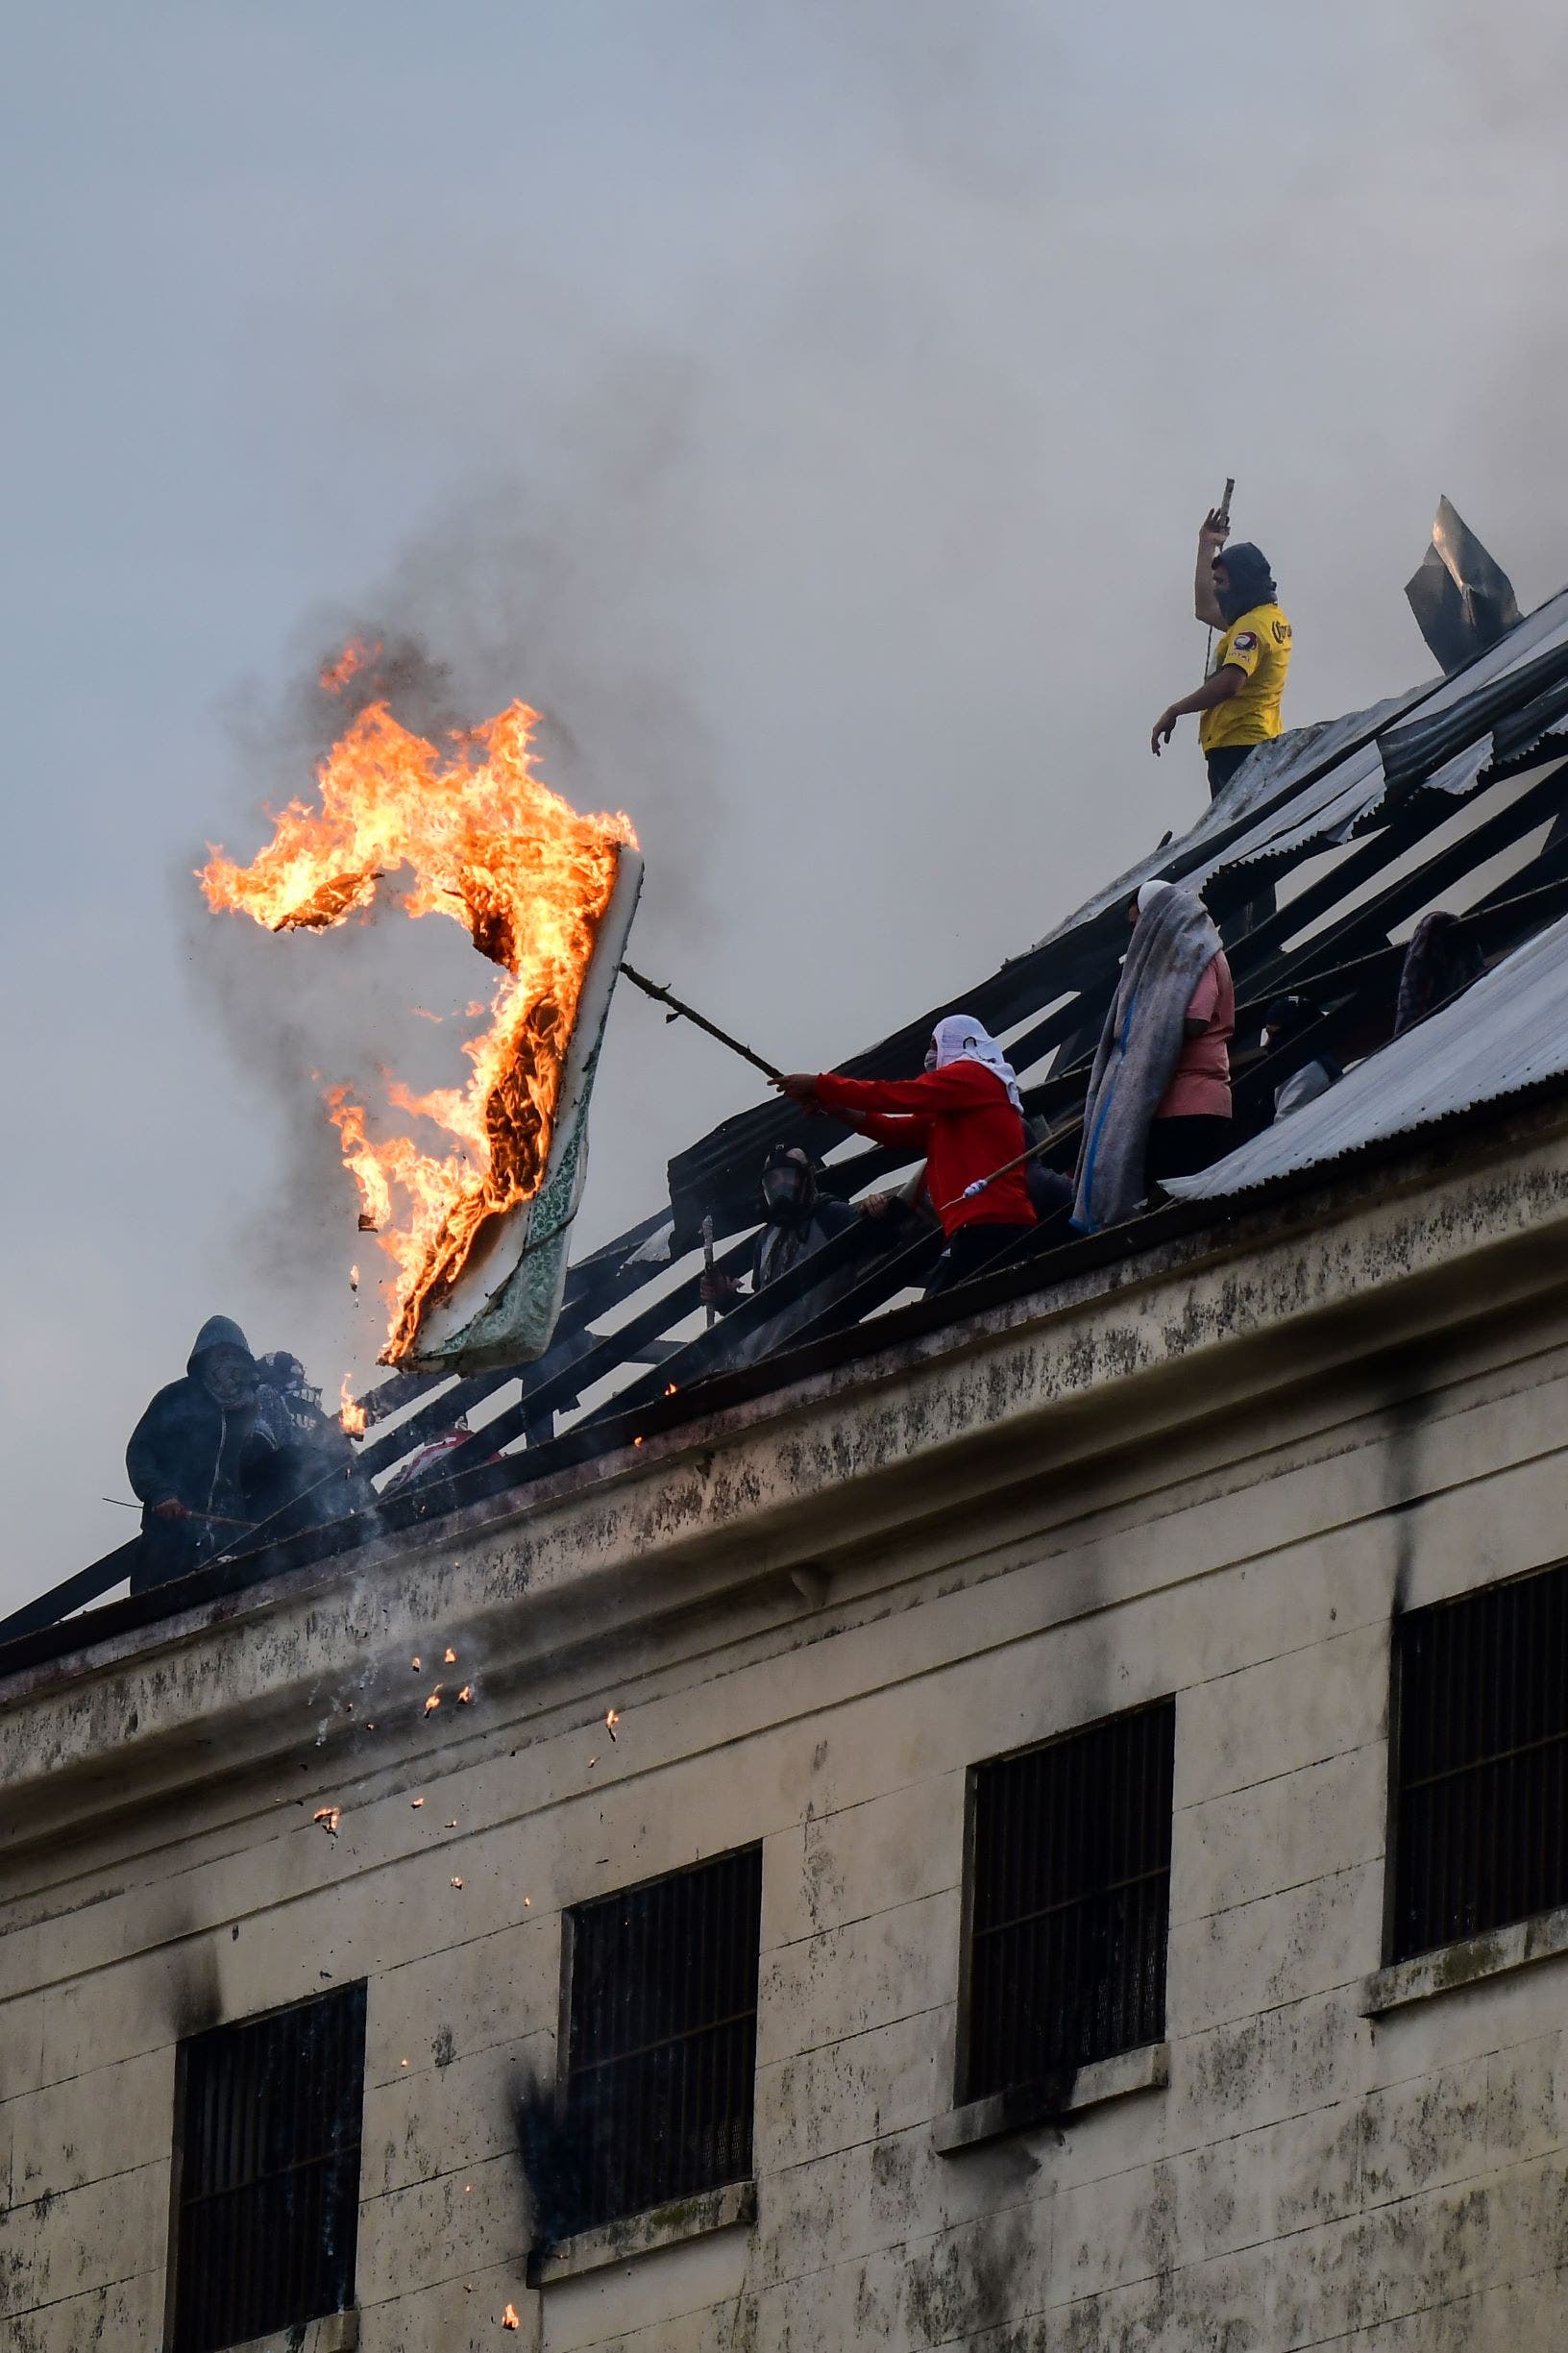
x=1191 y=1125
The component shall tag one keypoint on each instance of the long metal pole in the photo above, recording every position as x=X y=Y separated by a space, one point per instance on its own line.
x=679 y=1011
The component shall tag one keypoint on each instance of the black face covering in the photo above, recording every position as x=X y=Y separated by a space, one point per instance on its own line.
x=1251 y=581
x=228 y=1379
x=789 y=1190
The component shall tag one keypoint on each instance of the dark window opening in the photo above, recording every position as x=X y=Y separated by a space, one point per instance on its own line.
x=269 y=2171
x=1481 y=1771
x=1070 y=1902
x=662 y=2038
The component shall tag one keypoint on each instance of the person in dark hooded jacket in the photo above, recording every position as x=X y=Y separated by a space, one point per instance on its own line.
x=198 y=1456
x=1239 y=705
x=796 y=1219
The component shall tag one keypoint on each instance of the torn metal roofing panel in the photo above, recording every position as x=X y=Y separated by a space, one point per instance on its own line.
x=1506 y=1033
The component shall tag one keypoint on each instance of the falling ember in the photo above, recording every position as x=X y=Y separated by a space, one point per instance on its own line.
x=490 y=846
x=336 y=676
x=416 y=1804
x=414 y=1663
x=328 y=1817
x=456 y=1884
x=509 y=2319
x=353 y=1286
x=433 y=1701
x=612 y=1718
x=465 y=1695
x=351 y=1415
x=449 y=1657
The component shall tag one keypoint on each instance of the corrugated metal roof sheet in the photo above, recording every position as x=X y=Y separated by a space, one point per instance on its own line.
x=1509 y=1031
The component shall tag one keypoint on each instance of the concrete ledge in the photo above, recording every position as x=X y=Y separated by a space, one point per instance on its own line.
x=641 y=2234
x=1471 y=1962
x=336 y=2332
x=1145 y=2069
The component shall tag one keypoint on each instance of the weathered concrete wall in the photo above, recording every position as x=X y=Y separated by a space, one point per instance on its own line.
x=1027 y=1542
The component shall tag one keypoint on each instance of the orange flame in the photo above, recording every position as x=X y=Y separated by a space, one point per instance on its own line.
x=490 y=846
x=336 y=676
x=351 y=1415
x=328 y=1817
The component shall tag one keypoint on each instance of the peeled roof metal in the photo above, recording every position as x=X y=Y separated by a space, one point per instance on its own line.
x=1507 y=1032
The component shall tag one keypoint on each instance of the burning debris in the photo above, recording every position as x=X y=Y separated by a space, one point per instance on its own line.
x=465 y=1695
x=456 y=1883
x=414 y=1663
x=353 y=1416
x=545 y=894
x=433 y=1701
x=449 y=1659
x=328 y=1817
x=509 y=2319
x=336 y=676
x=416 y=1804
x=612 y=1717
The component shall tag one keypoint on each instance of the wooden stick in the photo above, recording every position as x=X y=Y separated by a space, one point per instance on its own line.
x=1223 y=510
x=681 y=1012
x=1019 y=1161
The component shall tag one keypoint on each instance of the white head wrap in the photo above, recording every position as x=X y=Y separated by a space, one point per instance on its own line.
x=1149 y=892
x=960 y=1038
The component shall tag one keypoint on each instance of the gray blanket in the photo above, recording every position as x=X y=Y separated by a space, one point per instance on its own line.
x=1173 y=944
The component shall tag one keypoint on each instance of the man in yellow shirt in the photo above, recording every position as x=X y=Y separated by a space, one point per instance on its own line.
x=1238 y=702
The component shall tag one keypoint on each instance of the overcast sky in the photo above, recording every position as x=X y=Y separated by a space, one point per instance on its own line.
x=809 y=404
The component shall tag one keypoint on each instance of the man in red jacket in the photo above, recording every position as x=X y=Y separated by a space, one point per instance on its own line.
x=965 y=1114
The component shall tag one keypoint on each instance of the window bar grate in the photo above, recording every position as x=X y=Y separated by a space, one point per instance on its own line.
x=662 y=2036
x=1482 y=1768
x=1070 y=1901
x=269 y=2186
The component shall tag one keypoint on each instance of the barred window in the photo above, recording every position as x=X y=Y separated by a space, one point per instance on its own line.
x=662 y=2038
x=1481 y=1771
x=268 y=2171
x=1070 y=1902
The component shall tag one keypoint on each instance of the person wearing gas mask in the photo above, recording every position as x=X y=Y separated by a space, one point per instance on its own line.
x=796 y=1220
x=1239 y=705
x=199 y=1457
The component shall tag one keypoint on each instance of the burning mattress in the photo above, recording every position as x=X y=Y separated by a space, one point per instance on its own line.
x=478 y=1232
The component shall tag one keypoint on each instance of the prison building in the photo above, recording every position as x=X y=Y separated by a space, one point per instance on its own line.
x=1031 y=1818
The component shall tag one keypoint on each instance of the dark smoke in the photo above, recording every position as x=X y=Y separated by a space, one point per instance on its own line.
x=499 y=599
